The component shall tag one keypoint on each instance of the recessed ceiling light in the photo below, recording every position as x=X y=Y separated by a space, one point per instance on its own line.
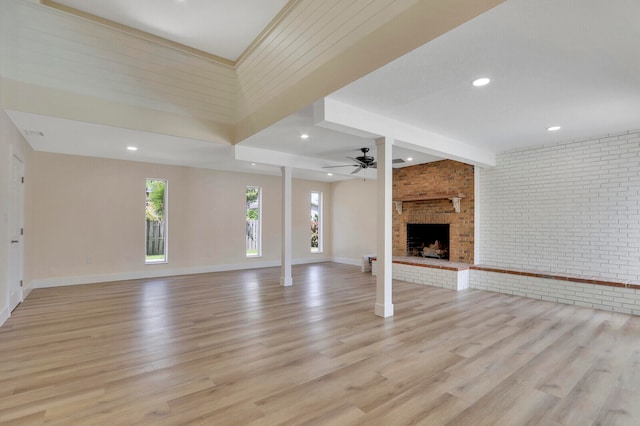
x=329 y=174
x=304 y=136
x=253 y=164
x=479 y=82
x=33 y=133
x=553 y=128
x=132 y=148
x=409 y=158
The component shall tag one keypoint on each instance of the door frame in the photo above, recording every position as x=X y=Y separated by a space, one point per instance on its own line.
x=15 y=298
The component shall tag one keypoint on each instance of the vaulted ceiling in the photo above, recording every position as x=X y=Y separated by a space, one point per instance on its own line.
x=263 y=75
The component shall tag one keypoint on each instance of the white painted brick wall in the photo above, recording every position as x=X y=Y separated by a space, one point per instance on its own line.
x=616 y=299
x=428 y=276
x=566 y=208
x=443 y=278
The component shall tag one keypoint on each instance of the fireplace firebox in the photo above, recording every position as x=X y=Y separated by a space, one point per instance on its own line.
x=428 y=240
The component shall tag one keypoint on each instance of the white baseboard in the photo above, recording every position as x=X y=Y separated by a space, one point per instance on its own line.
x=347 y=261
x=307 y=260
x=156 y=273
x=4 y=315
x=159 y=273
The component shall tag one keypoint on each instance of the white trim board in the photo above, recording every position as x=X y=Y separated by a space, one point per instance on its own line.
x=160 y=273
x=4 y=315
x=347 y=261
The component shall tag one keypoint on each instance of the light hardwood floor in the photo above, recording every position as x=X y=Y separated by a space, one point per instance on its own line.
x=236 y=348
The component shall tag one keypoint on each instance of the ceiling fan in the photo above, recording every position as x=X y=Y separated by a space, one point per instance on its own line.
x=364 y=162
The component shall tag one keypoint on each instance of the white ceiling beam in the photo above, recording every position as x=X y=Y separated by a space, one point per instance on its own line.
x=339 y=116
x=283 y=159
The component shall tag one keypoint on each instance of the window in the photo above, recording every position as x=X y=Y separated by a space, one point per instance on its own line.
x=156 y=221
x=254 y=221
x=316 y=222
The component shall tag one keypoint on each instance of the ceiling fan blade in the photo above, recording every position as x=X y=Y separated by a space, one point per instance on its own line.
x=356 y=170
x=344 y=165
x=360 y=163
x=374 y=165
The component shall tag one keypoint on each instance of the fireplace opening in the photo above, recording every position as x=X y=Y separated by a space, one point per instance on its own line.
x=428 y=240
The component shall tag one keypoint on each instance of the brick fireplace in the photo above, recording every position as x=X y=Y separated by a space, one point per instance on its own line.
x=428 y=240
x=426 y=194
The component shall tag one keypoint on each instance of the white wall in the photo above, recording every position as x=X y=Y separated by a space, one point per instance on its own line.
x=354 y=220
x=567 y=208
x=89 y=220
x=11 y=140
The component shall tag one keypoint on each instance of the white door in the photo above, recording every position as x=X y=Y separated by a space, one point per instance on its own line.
x=16 y=218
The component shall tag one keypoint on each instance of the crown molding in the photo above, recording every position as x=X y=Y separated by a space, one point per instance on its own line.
x=286 y=10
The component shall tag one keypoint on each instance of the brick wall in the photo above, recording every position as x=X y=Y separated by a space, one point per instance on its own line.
x=437 y=178
x=616 y=299
x=570 y=208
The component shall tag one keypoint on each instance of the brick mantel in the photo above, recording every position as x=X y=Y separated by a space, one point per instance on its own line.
x=425 y=191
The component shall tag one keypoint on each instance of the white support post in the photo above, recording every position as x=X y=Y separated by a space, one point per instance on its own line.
x=384 y=305
x=477 y=211
x=285 y=266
